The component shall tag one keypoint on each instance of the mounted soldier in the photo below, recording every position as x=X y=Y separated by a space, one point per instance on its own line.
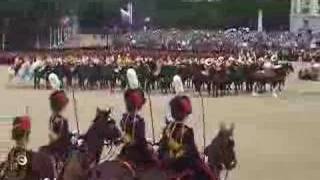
x=18 y=165
x=177 y=148
x=136 y=149
x=59 y=135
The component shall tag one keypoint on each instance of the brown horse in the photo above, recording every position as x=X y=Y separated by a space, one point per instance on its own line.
x=199 y=78
x=41 y=168
x=88 y=154
x=219 y=80
x=274 y=77
x=220 y=152
x=309 y=74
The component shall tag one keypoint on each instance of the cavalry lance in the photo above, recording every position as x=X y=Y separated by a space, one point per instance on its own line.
x=152 y=120
x=75 y=110
x=203 y=121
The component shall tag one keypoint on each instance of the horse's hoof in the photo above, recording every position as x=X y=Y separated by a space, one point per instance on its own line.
x=275 y=95
x=255 y=94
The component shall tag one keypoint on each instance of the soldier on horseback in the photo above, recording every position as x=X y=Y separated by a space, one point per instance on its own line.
x=177 y=148
x=59 y=135
x=18 y=164
x=136 y=149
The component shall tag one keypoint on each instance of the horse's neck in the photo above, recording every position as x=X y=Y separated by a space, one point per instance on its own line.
x=93 y=139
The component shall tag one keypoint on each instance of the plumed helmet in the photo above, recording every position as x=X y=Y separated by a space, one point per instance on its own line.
x=21 y=126
x=58 y=100
x=134 y=99
x=180 y=107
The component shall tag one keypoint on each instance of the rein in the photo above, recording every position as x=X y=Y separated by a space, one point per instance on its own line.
x=130 y=167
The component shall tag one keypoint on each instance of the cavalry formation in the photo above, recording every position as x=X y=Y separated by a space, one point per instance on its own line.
x=168 y=72
x=75 y=156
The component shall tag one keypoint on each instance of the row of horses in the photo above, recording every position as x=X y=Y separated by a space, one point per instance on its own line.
x=216 y=81
x=84 y=161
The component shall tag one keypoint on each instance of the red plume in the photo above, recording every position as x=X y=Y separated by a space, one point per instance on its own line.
x=136 y=99
x=60 y=97
x=24 y=124
x=186 y=106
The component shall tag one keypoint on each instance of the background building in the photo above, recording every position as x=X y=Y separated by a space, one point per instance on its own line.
x=305 y=15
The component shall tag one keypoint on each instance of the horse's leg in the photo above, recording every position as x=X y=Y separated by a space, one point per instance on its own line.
x=34 y=82
x=227 y=88
x=230 y=88
x=219 y=89
x=250 y=85
x=213 y=89
x=254 y=86
x=274 y=89
x=209 y=88
x=223 y=87
x=279 y=83
x=236 y=87
x=216 y=90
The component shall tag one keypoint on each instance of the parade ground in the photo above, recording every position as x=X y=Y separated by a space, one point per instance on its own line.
x=276 y=138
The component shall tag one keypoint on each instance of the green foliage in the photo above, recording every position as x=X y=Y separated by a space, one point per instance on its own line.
x=34 y=17
x=98 y=11
x=217 y=14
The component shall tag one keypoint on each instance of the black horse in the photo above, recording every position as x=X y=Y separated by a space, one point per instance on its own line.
x=273 y=77
x=221 y=153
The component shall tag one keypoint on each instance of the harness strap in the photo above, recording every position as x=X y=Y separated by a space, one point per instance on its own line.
x=174 y=126
x=130 y=167
x=170 y=132
x=132 y=135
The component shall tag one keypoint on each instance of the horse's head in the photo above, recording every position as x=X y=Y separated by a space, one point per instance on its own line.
x=103 y=129
x=285 y=69
x=106 y=126
x=221 y=151
x=290 y=68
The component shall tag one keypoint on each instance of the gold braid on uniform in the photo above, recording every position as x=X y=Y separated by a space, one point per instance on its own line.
x=16 y=165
